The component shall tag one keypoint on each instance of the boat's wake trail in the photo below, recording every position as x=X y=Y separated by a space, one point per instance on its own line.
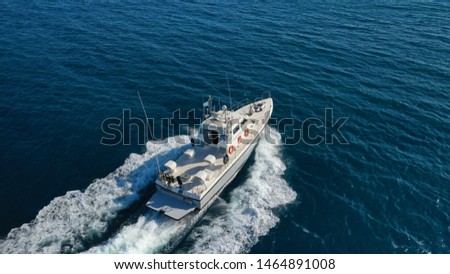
x=71 y=223
x=151 y=233
x=248 y=215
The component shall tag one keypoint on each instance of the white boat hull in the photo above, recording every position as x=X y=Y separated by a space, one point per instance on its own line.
x=177 y=207
x=180 y=201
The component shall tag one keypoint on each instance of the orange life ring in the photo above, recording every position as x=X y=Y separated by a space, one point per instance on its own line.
x=231 y=150
x=246 y=132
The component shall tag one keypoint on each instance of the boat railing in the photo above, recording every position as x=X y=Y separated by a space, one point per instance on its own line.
x=240 y=104
x=264 y=95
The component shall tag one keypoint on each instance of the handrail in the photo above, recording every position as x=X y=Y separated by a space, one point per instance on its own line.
x=240 y=104
x=246 y=101
x=265 y=95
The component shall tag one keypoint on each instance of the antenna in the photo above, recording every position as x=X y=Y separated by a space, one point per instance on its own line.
x=229 y=90
x=203 y=107
x=148 y=125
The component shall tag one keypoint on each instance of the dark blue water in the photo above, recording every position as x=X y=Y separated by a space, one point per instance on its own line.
x=66 y=66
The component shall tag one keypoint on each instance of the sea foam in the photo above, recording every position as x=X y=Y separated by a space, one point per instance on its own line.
x=249 y=214
x=73 y=221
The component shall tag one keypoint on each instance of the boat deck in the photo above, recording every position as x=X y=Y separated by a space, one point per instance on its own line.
x=199 y=171
x=188 y=167
x=198 y=176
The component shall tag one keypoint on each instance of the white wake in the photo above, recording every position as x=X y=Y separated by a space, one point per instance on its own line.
x=72 y=221
x=151 y=233
x=248 y=216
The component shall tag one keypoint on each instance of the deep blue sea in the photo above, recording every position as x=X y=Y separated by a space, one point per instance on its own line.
x=66 y=66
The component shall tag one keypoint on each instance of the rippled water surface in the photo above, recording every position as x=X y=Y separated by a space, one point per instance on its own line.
x=66 y=66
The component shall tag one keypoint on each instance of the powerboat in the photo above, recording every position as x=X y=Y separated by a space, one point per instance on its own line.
x=222 y=145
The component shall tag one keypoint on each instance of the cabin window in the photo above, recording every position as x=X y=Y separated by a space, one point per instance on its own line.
x=243 y=122
x=211 y=137
x=235 y=129
x=214 y=137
